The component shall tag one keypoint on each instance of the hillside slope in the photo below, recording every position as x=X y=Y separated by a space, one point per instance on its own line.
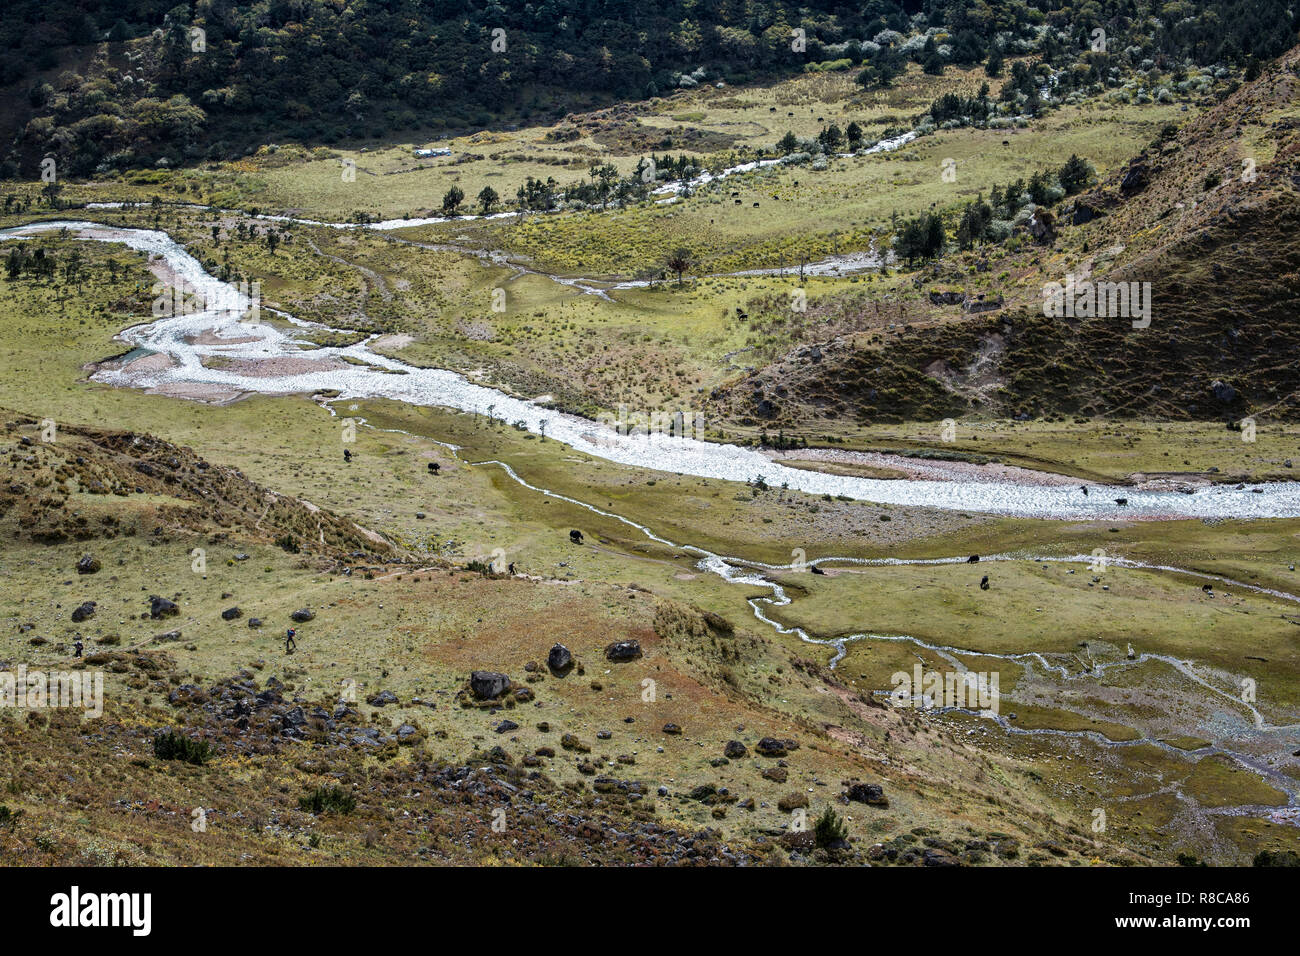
x=413 y=765
x=1214 y=235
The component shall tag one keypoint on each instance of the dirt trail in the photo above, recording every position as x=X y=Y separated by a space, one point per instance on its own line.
x=381 y=286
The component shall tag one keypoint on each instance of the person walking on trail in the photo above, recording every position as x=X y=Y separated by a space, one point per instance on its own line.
x=77 y=647
x=289 y=643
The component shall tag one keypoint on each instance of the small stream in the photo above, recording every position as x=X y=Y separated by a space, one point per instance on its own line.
x=379 y=376
x=283 y=362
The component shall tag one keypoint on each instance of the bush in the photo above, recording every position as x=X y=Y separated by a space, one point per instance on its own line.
x=328 y=799
x=169 y=745
x=9 y=817
x=1276 y=858
x=829 y=829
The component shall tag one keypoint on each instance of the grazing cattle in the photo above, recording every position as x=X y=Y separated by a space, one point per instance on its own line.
x=984 y=583
x=1121 y=502
x=1207 y=588
x=1084 y=489
x=434 y=467
x=575 y=536
x=815 y=569
x=973 y=559
x=347 y=454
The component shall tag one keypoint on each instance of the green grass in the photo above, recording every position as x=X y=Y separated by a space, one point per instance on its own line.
x=653 y=348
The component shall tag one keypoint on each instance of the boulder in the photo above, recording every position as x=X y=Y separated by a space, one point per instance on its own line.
x=935 y=857
x=621 y=651
x=88 y=564
x=488 y=685
x=1084 y=212
x=506 y=726
x=160 y=607
x=1135 y=179
x=382 y=699
x=231 y=613
x=559 y=659
x=869 y=793
x=303 y=615
x=773 y=747
x=734 y=750
x=982 y=303
x=83 y=611
x=1223 y=392
x=672 y=729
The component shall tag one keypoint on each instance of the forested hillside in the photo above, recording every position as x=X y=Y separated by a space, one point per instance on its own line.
x=126 y=83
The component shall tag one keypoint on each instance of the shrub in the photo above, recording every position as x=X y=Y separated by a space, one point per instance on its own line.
x=829 y=829
x=1276 y=858
x=328 y=799
x=169 y=745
